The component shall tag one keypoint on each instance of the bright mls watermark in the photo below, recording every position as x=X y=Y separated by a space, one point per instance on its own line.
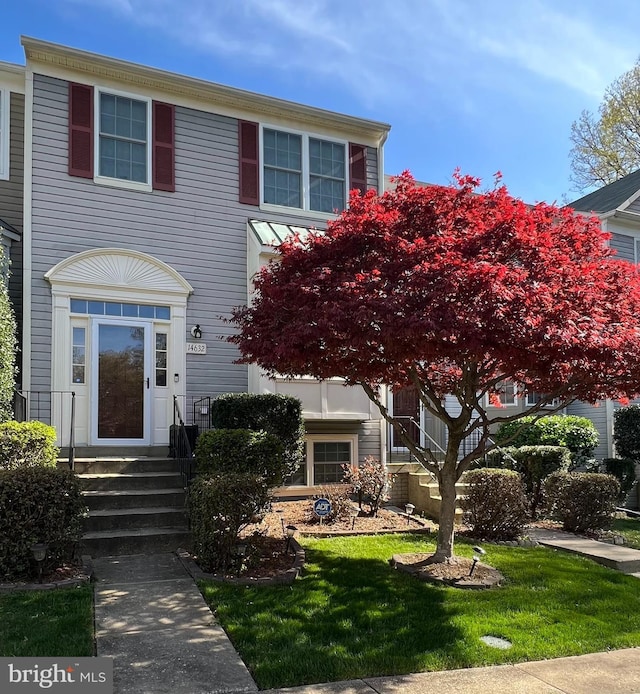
x=72 y=675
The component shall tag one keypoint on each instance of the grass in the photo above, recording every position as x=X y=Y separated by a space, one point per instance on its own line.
x=49 y=623
x=352 y=615
x=630 y=529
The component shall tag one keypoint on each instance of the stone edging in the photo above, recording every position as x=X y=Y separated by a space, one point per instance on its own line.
x=85 y=575
x=353 y=533
x=283 y=578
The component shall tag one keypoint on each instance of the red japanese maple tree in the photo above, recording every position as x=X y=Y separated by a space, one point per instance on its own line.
x=453 y=292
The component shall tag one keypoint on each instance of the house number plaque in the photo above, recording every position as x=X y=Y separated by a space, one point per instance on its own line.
x=196 y=348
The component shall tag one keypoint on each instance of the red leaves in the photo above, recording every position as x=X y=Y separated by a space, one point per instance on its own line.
x=432 y=278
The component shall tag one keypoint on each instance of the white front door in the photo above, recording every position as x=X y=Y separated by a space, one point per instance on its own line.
x=121 y=381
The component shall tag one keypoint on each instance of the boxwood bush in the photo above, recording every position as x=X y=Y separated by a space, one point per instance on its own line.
x=534 y=463
x=241 y=450
x=495 y=506
x=626 y=432
x=38 y=504
x=624 y=470
x=280 y=415
x=219 y=507
x=581 y=501
x=27 y=444
x=578 y=434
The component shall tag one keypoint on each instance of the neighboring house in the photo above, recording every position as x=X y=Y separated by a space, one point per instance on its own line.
x=150 y=199
x=617 y=205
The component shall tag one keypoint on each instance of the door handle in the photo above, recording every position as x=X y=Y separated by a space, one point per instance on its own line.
x=147 y=383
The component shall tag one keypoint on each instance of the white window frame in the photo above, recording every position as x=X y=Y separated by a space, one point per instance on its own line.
x=505 y=404
x=305 y=174
x=310 y=439
x=5 y=132
x=119 y=182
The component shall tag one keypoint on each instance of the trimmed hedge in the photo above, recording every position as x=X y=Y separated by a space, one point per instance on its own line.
x=280 y=415
x=626 y=432
x=578 y=434
x=241 y=450
x=219 y=507
x=581 y=501
x=624 y=470
x=495 y=507
x=534 y=463
x=38 y=504
x=27 y=444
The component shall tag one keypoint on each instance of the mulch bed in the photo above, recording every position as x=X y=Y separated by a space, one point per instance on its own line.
x=454 y=572
x=65 y=576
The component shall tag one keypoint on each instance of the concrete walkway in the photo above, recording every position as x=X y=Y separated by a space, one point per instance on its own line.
x=151 y=618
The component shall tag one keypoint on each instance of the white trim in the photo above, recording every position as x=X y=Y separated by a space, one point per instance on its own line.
x=12 y=77
x=5 y=132
x=304 y=173
x=145 y=186
x=27 y=260
x=609 y=418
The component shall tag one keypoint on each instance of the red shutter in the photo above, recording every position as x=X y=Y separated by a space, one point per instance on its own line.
x=357 y=167
x=248 y=162
x=164 y=176
x=80 y=130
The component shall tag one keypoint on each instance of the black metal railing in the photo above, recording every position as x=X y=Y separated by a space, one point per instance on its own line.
x=398 y=450
x=181 y=447
x=54 y=407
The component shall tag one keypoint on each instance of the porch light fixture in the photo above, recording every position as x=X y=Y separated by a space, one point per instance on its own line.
x=196 y=331
x=291 y=529
x=409 y=508
x=39 y=551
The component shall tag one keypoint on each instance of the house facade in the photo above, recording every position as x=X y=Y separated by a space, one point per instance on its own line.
x=146 y=202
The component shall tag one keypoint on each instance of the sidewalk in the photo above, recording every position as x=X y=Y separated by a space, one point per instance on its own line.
x=152 y=619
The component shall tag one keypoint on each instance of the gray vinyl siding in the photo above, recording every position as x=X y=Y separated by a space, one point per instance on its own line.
x=369 y=440
x=634 y=206
x=200 y=230
x=624 y=247
x=598 y=415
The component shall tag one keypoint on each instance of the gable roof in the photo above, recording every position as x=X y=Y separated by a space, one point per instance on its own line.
x=610 y=197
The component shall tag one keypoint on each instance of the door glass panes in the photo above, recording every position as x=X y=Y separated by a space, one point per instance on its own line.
x=110 y=308
x=78 y=358
x=328 y=459
x=123 y=138
x=282 y=168
x=161 y=359
x=121 y=381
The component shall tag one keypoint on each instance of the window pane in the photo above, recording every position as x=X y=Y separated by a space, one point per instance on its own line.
x=96 y=307
x=161 y=341
x=78 y=306
x=299 y=477
x=112 y=309
x=130 y=310
x=163 y=312
x=161 y=378
x=328 y=459
x=78 y=336
x=123 y=120
x=78 y=374
x=146 y=311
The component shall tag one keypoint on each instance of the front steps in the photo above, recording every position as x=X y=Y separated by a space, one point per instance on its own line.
x=136 y=505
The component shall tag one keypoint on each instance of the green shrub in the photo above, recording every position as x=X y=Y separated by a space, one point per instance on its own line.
x=495 y=507
x=626 y=432
x=534 y=463
x=581 y=501
x=578 y=434
x=241 y=450
x=7 y=348
x=624 y=470
x=27 y=444
x=38 y=504
x=220 y=506
x=280 y=415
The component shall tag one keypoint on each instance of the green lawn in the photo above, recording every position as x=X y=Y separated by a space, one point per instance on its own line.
x=47 y=623
x=352 y=616
x=630 y=529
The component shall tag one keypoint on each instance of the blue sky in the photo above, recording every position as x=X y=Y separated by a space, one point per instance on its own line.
x=484 y=86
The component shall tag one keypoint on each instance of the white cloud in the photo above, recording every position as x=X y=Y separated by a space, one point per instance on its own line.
x=404 y=51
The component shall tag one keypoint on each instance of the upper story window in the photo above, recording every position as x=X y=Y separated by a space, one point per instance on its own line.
x=535 y=398
x=123 y=138
x=4 y=134
x=506 y=394
x=302 y=171
x=297 y=170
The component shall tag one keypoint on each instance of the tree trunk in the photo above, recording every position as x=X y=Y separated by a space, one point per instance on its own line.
x=447 y=478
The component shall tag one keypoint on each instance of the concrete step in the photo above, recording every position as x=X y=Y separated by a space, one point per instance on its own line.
x=118 y=465
x=121 y=451
x=106 y=543
x=135 y=518
x=130 y=481
x=102 y=500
